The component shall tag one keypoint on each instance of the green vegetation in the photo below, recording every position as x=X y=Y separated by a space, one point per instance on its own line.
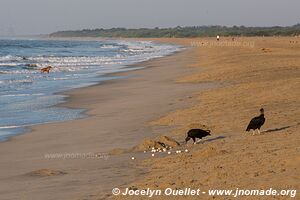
x=179 y=32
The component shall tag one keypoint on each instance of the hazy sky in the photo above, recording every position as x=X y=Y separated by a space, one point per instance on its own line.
x=45 y=16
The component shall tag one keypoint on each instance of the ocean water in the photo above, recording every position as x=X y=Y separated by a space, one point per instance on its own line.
x=28 y=97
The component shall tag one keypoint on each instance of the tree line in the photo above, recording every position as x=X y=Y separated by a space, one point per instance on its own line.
x=181 y=32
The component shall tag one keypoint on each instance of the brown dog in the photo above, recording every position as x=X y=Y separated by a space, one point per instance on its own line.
x=46 y=69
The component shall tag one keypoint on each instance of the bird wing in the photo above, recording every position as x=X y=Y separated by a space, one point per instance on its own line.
x=253 y=123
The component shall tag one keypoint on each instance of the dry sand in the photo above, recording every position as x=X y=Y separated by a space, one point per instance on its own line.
x=170 y=96
x=264 y=75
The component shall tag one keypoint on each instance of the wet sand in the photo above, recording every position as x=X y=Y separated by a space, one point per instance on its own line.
x=119 y=112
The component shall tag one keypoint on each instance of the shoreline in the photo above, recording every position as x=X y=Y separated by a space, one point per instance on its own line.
x=122 y=74
x=81 y=135
x=113 y=76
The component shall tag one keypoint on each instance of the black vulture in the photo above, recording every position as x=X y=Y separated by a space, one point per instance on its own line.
x=196 y=133
x=257 y=122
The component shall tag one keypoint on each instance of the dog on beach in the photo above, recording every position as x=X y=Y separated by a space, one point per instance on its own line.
x=46 y=69
x=196 y=133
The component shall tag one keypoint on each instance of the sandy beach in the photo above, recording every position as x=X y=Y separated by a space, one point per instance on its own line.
x=119 y=112
x=218 y=86
x=263 y=74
